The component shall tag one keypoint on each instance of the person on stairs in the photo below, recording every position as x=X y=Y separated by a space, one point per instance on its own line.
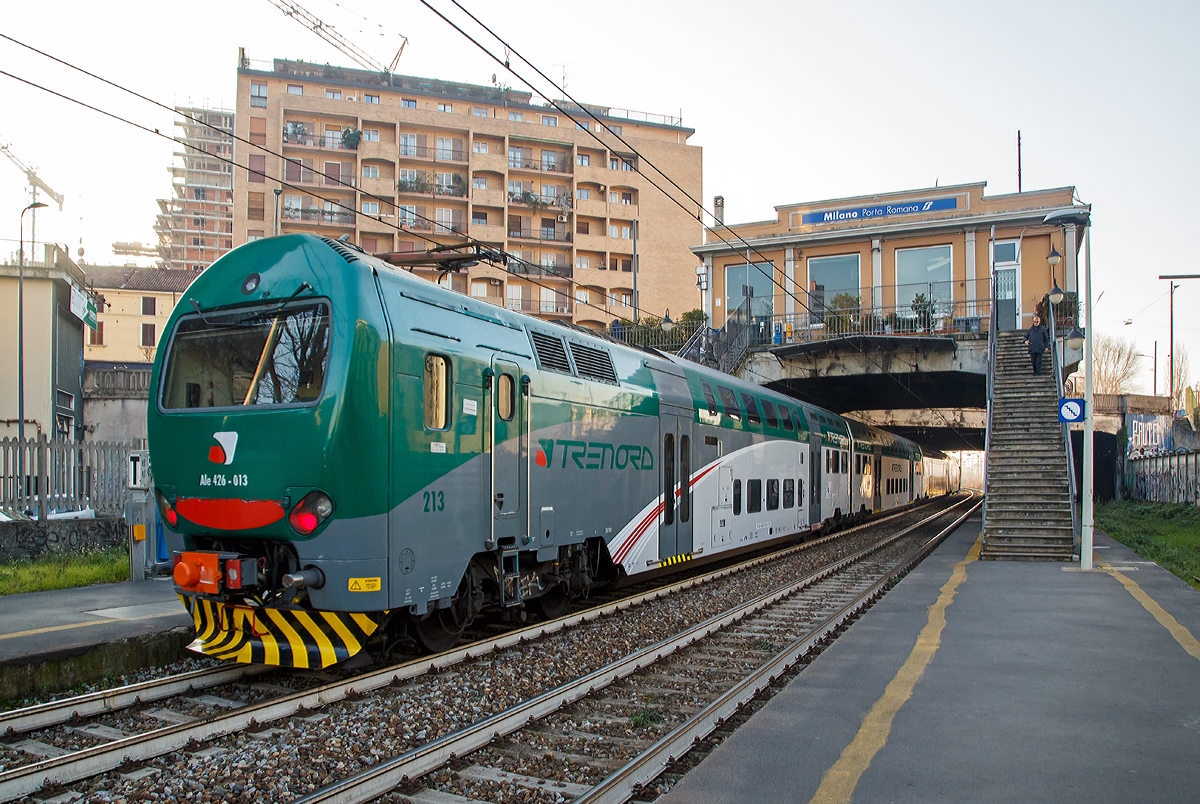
x=1037 y=340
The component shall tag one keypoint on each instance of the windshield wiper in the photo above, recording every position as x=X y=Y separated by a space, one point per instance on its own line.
x=260 y=315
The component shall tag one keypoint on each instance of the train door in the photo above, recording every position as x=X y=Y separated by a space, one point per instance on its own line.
x=675 y=521
x=802 y=484
x=912 y=475
x=507 y=443
x=815 y=462
x=722 y=512
x=878 y=481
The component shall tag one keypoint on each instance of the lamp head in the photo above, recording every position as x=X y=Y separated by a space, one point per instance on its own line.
x=1056 y=294
x=1075 y=339
x=1053 y=258
x=667 y=323
x=35 y=205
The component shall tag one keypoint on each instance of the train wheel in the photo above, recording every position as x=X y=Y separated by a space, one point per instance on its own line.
x=553 y=604
x=438 y=631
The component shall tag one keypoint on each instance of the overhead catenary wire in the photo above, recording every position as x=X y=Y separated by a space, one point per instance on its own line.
x=642 y=160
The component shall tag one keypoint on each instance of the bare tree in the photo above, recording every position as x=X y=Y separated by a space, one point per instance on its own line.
x=1115 y=362
x=1179 y=361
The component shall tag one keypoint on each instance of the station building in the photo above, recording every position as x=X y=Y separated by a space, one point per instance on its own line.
x=913 y=261
x=402 y=164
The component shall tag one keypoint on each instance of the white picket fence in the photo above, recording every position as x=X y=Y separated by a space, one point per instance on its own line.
x=42 y=476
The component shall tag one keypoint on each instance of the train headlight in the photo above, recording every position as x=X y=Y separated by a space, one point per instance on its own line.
x=310 y=512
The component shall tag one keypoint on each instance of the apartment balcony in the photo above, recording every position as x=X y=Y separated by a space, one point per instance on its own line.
x=594 y=173
x=496 y=163
x=592 y=208
x=549 y=204
x=377 y=150
x=543 y=234
x=422 y=187
x=554 y=309
x=322 y=143
x=488 y=198
x=626 y=211
x=591 y=242
x=318 y=217
x=539 y=166
x=433 y=154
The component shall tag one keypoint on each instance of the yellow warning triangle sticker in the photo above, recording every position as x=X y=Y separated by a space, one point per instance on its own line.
x=355 y=586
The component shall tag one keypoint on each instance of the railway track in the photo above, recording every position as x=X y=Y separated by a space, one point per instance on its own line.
x=210 y=722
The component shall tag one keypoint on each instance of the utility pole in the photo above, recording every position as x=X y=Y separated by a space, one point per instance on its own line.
x=1171 y=349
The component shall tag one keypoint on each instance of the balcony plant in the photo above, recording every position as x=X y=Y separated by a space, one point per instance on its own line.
x=351 y=137
x=923 y=309
x=293 y=131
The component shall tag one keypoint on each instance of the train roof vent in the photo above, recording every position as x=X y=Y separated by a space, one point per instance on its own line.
x=348 y=254
x=593 y=363
x=551 y=353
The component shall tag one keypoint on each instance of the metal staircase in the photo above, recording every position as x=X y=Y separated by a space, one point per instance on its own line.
x=1029 y=513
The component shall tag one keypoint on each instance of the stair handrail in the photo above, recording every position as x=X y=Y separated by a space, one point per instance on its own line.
x=1066 y=428
x=993 y=337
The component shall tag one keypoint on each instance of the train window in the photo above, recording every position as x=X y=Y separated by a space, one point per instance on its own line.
x=669 y=479
x=710 y=441
x=437 y=392
x=506 y=397
x=772 y=495
x=730 y=402
x=785 y=419
x=753 y=496
x=709 y=398
x=737 y=497
x=828 y=461
x=800 y=491
x=789 y=493
x=751 y=409
x=268 y=356
x=685 y=475
x=845 y=463
x=837 y=462
x=769 y=413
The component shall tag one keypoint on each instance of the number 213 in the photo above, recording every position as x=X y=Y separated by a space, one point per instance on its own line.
x=434 y=501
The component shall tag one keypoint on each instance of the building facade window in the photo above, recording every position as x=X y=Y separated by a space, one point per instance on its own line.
x=581 y=263
x=408 y=177
x=445 y=147
x=626 y=165
x=258 y=167
x=407 y=213
x=445 y=220
x=446 y=107
x=479 y=217
x=582 y=194
x=923 y=272
x=370 y=207
x=370 y=99
x=335 y=94
x=408 y=103
x=514 y=297
x=295 y=89
x=256 y=206
x=408 y=145
x=258 y=95
x=480 y=147
x=148 y=305
x=370 y=171
x=549 y=120
x=613 y=163
x=830 y=277
x=479 y=289
x=479 y=182
x=148 y=335
x=371 y=135
x=96 y=336
x=582 y=227
x=480 y=111
x=255 y=234
x=515 y=116
x=582 y=125
x=583 y=159
x=581 y=295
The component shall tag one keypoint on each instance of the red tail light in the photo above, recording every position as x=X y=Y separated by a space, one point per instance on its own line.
x=310 y=512
x=166 y=509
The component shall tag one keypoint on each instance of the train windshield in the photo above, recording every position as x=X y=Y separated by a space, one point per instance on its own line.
x=273 y=356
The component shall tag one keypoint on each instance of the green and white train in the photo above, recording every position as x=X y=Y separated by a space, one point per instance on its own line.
x=344 y=452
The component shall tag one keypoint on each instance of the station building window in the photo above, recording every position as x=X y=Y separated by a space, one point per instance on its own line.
x=924 y=271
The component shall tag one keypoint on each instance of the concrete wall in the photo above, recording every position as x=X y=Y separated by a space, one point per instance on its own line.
x=25 y=540
x=114 y=403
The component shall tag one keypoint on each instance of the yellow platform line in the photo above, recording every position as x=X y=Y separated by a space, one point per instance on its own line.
x=838 y=783
x=1183 y=636
x=52 y=628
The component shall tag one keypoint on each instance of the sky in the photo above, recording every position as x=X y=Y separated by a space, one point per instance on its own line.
x=791 y=101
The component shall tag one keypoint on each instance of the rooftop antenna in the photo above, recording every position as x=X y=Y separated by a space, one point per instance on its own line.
x=1018 y=160
x=330 y=35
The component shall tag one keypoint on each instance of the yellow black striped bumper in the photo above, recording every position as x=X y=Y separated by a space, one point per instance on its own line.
x=281 y=637
x=666 y=562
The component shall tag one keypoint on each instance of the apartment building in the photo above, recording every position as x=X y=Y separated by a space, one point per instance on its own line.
x=135 y=306
x=402 y=164
x=195 y=225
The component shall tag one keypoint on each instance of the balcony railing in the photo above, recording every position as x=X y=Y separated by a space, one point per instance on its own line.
x=542 y=234
x=436 y=154
x=422 y=187
x=543 y=165
x=318 y=216
x=559 y=306
x=529 y=198
x=314 y=140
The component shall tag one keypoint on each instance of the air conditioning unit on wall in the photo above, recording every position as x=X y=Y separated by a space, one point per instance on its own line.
x=562 y=218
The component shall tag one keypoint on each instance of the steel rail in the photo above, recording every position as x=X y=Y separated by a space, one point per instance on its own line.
x=373 y=782
x=624 y=783
x=62 y=770
x=103 y=702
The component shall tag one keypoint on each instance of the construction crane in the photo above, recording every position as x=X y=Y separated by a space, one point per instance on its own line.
x=35 y=184
x=327 y=32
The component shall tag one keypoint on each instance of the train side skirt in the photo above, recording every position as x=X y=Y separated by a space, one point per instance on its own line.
x=283 y=637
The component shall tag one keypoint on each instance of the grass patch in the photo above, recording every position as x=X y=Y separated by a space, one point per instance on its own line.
x=1166 y=534
x=643 y=719
x=64 y=571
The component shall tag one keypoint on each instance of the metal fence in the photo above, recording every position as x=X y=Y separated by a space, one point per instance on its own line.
x=40 y=476
x=1165 y=478
x=849 y=317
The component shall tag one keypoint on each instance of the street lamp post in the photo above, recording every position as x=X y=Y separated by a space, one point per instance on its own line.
x=21 y=343
x=1171 y=345
x=1081 y=216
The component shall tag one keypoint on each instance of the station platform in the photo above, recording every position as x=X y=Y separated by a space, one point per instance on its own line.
x=986 y=681
x=41 y=627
